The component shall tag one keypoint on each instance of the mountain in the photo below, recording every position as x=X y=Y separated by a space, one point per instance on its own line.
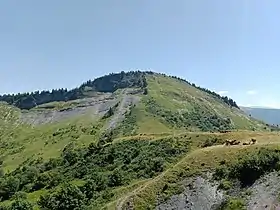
x=268 y=115
x=128 y=140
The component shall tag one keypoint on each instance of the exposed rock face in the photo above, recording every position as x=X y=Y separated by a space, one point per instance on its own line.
x=95 y=107
x=126 y=102
x=264 y=193
x=199 y=194
x=202 y=194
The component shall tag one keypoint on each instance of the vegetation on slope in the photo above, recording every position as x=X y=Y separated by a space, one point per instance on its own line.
x=172 y=105
x=108 y=83
x=248 y=168
x=178 y=104
x=196 y=163
x=225 y=99
x=100 y=168
x=76 y=163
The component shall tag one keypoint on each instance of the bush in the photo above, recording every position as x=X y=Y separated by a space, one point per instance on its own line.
x=28 y=175
x=69 y=197
x=52 y=163
x=20 y=204
x=42 y=181
x=8 y=187
x=210 y=142
x=100 y=181
x=225 y=185
x=20 y=195
x=2 y=173
x=220 y=172
x=233 y=204
x=89 y=189
x=250 y=167
x=116 y=178
x=70 y=156
x=103 y=167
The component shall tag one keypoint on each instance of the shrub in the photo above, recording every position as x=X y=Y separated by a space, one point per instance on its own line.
x=20 y=195
x=89 y=188
x=220 y=172
x=252 y=166
x=210 y=142
x=8 y=187
x=2 y=173
x=225 y=184
x=116 y=178
x=103 y=167
x=233 y=204
x=20 y=204
x=2 y=207
x=248 y=168
x=69 y=197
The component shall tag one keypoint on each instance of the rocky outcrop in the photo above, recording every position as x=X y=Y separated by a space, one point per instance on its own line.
x=199 y=194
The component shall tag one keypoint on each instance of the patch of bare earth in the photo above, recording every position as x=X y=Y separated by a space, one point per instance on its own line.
x=199 y=194
x=94 y=107
x=264 y=193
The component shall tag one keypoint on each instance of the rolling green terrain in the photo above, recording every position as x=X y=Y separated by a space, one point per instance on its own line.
x=122 y=141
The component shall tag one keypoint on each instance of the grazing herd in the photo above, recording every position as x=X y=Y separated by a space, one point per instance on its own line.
x=235 y=142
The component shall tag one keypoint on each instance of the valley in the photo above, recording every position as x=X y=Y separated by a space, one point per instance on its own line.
x=136 y=140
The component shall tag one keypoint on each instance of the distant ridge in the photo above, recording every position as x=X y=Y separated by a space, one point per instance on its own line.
x=260 y=107
x=267 y=114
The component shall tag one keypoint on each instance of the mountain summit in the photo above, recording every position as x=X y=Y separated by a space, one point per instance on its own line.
x=167 y=101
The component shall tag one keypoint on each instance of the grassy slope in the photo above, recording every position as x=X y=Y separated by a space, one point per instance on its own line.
x=195 y=162
x=177 y=97
x=21 y=142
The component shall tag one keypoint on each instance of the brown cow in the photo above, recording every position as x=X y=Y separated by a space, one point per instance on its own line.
x=232 y=142
x=253 y=141
x=236 y=142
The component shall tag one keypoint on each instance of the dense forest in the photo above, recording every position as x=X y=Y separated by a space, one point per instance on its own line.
x=107 y=83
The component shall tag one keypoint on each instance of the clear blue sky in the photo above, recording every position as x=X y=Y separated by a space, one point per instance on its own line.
x=231 y=46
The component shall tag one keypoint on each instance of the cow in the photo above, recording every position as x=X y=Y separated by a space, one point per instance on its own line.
x=232 y=142
x=253 y=141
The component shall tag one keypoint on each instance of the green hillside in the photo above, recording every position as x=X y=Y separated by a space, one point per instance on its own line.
x=182 y=105
x=119 y=133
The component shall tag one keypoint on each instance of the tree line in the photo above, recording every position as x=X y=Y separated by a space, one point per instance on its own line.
x=107 y=83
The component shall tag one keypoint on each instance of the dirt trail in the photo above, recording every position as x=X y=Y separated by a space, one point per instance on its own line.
x=127 y=198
